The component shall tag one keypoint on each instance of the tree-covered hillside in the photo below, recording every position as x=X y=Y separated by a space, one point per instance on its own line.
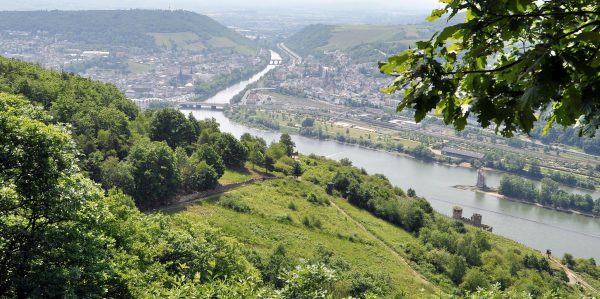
x=78 y=160
x=148 y=29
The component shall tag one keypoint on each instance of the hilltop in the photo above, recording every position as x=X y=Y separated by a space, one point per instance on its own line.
x=148 y=29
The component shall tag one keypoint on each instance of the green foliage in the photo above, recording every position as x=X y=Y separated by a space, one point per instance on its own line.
x=285 y=165
x=317 y=200
x=234 y=204
x=548 y=194
x=362 y=43
x=307 y=281
x=309 y=38
x=495 y=292
x=208 y=154
x=308 y=122
x=514 y=186
x=474 y=279
x=154 y=172
x=60 y=236
x=171 y=126
x=116 y=174
x=232 y=151
x=287 y=142
x=257 y=149
x=508 y=64
x=376 y=194
x=47 y=209
x=277 y=264
x=363 y=285
x=195 y=175
x=98 y=113
x=312 y=221
x=297 y=169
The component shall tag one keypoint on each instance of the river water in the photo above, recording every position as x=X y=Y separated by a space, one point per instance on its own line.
x=534 y=226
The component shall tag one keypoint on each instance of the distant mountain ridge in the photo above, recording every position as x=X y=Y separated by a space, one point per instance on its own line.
x=129 y=28
x=363 y=42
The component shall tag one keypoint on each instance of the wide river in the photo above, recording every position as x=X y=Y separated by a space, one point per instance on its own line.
x=534 y=226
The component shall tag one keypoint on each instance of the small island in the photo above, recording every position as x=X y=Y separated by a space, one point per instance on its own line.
x=547 y=196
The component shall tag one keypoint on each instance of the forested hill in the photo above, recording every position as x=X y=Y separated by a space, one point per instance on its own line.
x=77 y=158
x=130 y=28
x=363 y=42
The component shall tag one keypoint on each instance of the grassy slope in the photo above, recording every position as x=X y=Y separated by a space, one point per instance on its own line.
x=345 y=37
x=372 y=245
x=265 y=227
x=362 y=42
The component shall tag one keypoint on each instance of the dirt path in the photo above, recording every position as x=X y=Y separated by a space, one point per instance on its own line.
x=384 y=244
x=574 y=278
x=200 y=196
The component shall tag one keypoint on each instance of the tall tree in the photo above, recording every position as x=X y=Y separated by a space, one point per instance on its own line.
x=286 y=140
x=154 y=173
x=173 y=127
x=233 y=152
x=508 y=63
x=207 y=153
x=297 y=169
x=48 y=211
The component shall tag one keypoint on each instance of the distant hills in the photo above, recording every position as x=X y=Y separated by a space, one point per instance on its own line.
x=364 y=43
x=149 y=29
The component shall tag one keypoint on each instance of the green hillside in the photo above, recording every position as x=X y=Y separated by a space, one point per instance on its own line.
x=130 y=28
x=373 y=251
x=362 y=42
x=278 y=216
x=82 y=171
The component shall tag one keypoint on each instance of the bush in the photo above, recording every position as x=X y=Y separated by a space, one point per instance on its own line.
x=287 y=218
x=363 y=284
x=311 y=221
x=234 y=204
x=292 y=206
x=314 y=199
x=307 y=281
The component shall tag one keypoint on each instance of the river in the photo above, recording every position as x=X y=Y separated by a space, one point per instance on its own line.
x=533 y=226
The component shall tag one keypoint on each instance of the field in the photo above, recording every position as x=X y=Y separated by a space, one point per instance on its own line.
x=183 y=40
x=348 y=36
x=278 y=210
x=137 y=68
x=232 y=176
x=192 y=42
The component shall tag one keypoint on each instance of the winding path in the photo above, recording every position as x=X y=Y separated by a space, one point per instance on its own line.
x=574 y=278
x=388 y=247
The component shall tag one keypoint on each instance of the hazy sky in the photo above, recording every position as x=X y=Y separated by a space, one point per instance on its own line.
x=408 y=6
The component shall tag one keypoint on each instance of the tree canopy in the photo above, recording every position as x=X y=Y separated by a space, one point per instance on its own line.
x=509 y=64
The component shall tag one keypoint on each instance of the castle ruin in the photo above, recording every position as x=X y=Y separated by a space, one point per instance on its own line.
x=475 y=220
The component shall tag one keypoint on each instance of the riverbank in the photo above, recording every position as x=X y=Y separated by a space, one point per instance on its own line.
x=494 y=193
x=351 y=135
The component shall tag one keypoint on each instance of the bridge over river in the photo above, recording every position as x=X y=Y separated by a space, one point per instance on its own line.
x=182 y=103
x=201 y=105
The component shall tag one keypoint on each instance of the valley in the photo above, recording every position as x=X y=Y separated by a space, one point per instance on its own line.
x=151 y=153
